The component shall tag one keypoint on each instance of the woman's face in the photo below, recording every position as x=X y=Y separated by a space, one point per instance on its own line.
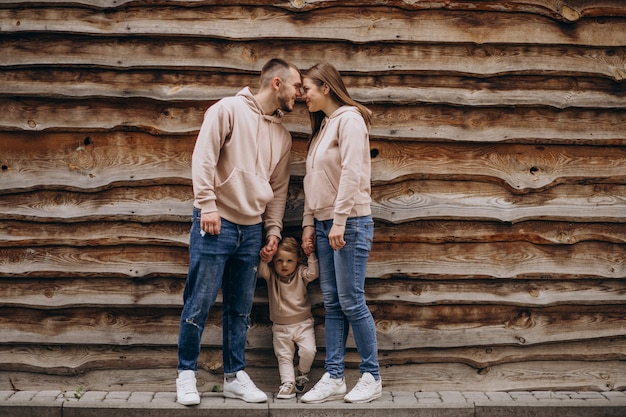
x=313 y=95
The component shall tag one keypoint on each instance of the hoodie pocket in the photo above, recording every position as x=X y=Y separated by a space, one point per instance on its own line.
x=245 y=192
x=319 y=191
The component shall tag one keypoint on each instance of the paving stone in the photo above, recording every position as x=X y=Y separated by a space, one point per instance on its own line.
x=419 y=395
x=392 y=404
x=475 y=396
x=499 y=396
x=169 y=397
x=5 y=395
x=452 y=397
x=22 y=396
x=141 y=397
x=612 y=395
x=93 y=396
x=588 y=396
x=404 y=399
x=117 y=396
x=523 y=396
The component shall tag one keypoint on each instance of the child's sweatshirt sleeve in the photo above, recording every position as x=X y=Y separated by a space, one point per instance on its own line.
x=263 y=270
x=312 y=270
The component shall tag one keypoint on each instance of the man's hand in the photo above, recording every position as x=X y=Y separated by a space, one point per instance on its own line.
x=211 y=223
x=270 y=248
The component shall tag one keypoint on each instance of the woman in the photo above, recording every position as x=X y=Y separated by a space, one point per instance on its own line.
x=338 y=223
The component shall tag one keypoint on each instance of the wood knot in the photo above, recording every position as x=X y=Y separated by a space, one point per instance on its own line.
x=570 y=14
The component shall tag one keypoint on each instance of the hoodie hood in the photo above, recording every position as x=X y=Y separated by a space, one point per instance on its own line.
x=248 y=97
x=345 y=109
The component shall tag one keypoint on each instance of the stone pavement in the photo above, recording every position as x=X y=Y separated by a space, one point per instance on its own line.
x=392 y=404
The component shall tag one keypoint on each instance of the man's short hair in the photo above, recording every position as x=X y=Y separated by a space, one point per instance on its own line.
x=275 y=67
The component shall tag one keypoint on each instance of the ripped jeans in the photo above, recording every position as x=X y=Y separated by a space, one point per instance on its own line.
x=228 y=261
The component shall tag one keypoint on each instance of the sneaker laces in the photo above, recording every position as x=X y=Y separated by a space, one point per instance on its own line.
x=363 y=386
x=188 y=386
x=286 y=386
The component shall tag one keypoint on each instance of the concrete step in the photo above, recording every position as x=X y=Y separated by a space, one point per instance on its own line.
x=392 y=404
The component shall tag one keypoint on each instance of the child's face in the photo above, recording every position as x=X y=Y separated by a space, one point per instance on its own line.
x=285 y=263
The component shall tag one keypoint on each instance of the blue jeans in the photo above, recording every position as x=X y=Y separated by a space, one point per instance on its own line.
x=342 y=281
x=228 y=261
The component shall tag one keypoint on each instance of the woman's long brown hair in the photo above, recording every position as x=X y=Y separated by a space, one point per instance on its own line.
x=325 y=73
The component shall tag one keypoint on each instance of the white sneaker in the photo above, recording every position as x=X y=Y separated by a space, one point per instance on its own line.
x=186 y=391
x=366 y=390
x=326 y=389
x=243 y=388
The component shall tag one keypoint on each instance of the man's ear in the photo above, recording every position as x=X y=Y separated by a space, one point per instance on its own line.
x=276 y=83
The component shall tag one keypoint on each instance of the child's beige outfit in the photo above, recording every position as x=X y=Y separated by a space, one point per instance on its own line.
x=290 y=312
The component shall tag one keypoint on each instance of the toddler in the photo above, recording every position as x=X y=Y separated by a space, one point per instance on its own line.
x=290 y=313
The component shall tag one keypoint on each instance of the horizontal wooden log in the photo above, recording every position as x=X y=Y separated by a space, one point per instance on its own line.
x=111 y=261
x=142 y=204
x=498 y=260
x=569 y=11
x=521 y=167
x=479 y=260
x=93 y=161
x=396 y=203
x=525 y=376
x=538 y=232
x=360 y=25
x=168 y=292
x=87 y=115
x=95 y=233
x=108 y=233
x=466 y=59
x=430 y=123
x=80 y=359
x=181 y=85
x=413 y=199
x=398 y=326
x=535 y=376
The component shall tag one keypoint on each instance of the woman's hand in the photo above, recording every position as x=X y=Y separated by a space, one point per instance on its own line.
x=335 y=237
x=308 y=240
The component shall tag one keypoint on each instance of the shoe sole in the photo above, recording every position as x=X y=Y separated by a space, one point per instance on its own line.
x=323 y=400
x=372 y=398
x=187 y=402
x=237 y=397
x=285 y=396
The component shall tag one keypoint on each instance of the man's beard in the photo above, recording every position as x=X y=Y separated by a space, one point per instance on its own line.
x=284 y=104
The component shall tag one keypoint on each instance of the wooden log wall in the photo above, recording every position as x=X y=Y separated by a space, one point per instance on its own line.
x=499 y=184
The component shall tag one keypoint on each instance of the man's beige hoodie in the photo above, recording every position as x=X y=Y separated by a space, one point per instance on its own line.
x=240 y=163
x=338 y=169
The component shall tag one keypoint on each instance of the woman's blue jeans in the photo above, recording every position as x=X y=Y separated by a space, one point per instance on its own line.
x=342 y=281
x=228 y=261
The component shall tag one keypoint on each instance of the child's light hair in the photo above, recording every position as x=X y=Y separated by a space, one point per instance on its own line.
x=289 y=244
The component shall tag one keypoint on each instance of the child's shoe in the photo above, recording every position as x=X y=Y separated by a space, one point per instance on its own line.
x=301 y=381
x=286 y=390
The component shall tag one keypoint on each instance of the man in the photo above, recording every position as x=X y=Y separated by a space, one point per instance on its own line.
x=240 y=173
